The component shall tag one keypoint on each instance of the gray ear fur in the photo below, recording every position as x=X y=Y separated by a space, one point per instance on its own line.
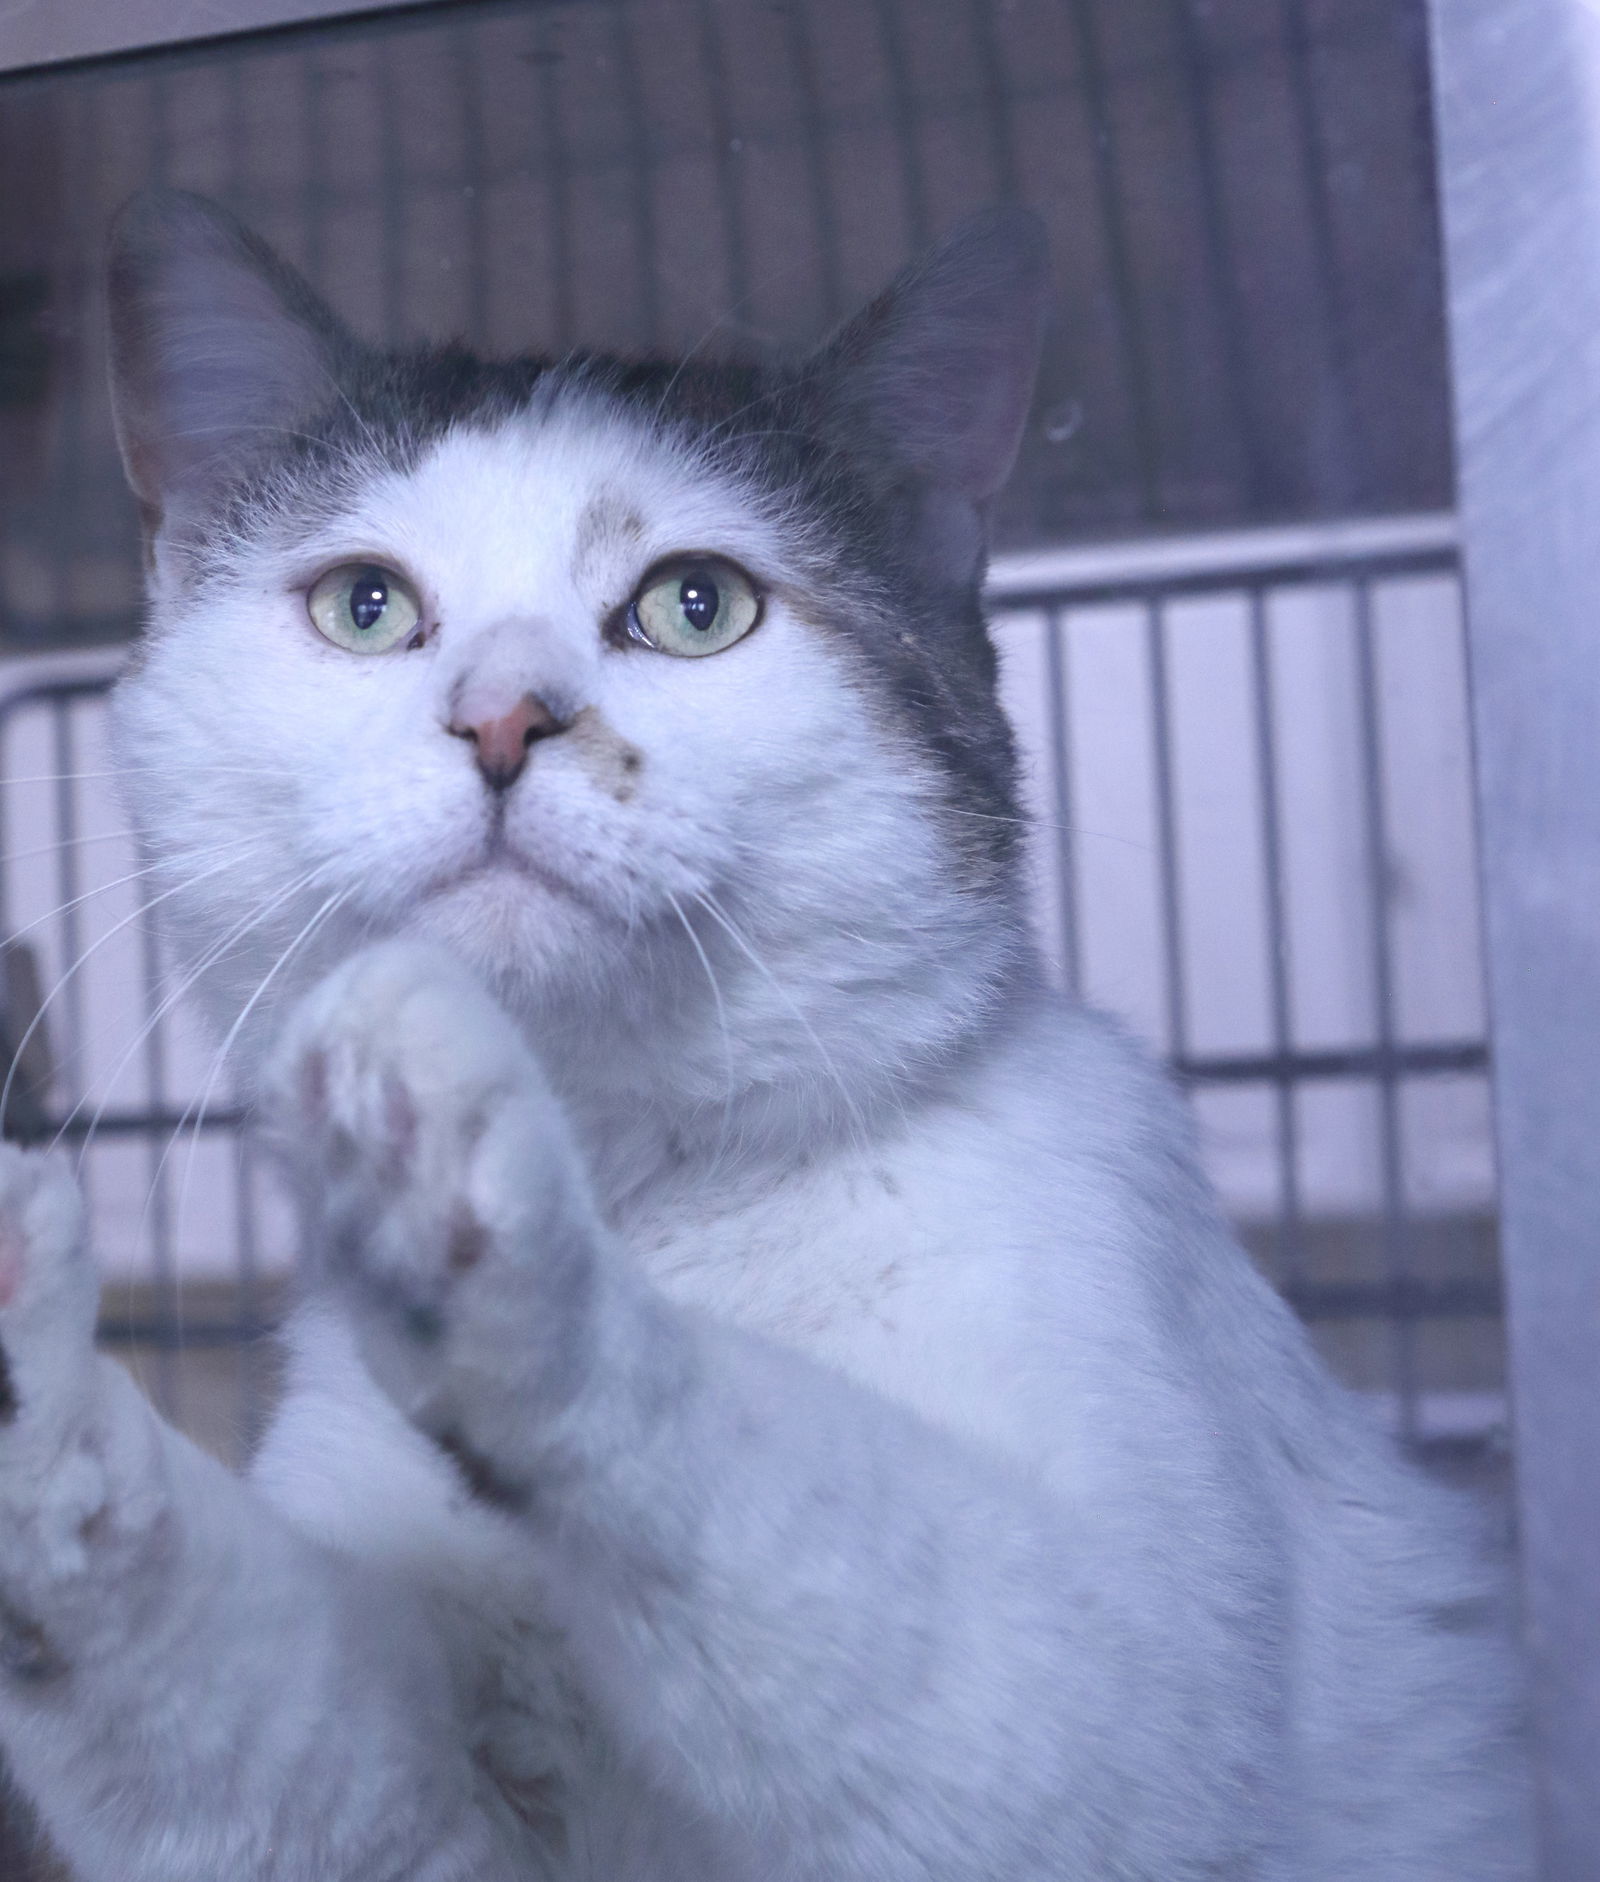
x=936 y=374
x=217 y=349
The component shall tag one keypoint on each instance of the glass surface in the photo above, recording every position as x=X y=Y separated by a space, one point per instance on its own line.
x=1251 y=775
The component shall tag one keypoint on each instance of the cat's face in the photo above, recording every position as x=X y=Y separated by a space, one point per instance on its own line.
x=603 y=677
x=529 y=548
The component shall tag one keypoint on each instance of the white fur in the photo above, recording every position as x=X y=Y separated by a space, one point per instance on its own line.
x=895 y=1470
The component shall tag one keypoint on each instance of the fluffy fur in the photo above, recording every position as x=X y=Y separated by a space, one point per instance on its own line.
x=773 y=1395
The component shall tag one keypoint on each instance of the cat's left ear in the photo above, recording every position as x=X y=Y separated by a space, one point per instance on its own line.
x=937 y=373
x=218 y=349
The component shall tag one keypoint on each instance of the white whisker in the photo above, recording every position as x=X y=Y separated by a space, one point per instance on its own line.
x=710 y=904
x=208 y=766
x=722 y=1021
x=209 y=959
x=1050 y=823
x=82 y=961
x=67 y=843
x=117 y=882
x=197 y=1107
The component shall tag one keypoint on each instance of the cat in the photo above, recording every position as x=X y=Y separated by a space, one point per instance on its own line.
x=772 y=1393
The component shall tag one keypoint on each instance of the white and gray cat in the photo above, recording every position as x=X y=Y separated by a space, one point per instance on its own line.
x=773 y=1396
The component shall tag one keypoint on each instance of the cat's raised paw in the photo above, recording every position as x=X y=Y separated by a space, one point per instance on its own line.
x=431 y=1162
x=52 y=1480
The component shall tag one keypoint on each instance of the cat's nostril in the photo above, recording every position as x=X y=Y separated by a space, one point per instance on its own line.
x=501 y=743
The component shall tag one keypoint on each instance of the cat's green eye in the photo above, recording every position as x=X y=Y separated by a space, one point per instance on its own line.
x=698 y=605
x=363 y=607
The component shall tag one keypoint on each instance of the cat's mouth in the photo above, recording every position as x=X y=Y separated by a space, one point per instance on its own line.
x=511 y=918
x=500 y=869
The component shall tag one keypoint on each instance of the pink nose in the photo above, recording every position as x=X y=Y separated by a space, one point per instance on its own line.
x=501 y=745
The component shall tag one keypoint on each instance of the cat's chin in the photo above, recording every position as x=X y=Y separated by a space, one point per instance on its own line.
x=517 y=927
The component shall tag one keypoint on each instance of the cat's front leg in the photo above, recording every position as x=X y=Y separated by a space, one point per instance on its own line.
x=189 y=1689
x=837 y=1635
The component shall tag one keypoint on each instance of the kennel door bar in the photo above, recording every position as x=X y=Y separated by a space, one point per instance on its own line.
x=1517 y=92
x=50 y=32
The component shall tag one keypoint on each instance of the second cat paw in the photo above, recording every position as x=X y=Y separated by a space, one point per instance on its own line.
x=48 y=1296
x=53 y=1482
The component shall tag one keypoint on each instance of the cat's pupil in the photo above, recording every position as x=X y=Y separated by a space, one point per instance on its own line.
x=369 y=596
x=699 y=600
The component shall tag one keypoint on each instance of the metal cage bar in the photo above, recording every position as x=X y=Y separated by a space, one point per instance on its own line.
x=1057 y=678
x=1287 y=1240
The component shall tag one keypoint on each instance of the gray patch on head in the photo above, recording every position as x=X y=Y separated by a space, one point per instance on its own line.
x=605 y=754
x=609 y=523
x=390 y=408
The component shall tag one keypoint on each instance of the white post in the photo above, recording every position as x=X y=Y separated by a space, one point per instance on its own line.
x=1517 y=85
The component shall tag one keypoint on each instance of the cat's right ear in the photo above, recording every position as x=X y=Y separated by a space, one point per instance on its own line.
x=936 y=375
x=217 y=347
